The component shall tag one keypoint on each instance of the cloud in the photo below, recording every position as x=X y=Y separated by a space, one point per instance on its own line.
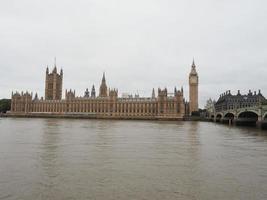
x=139 y=44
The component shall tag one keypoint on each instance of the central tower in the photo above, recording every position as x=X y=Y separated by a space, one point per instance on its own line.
x=53 y=84
x=193 y=89
x=103 y=90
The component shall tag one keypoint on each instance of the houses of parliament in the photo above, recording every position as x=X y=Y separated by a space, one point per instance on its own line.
x=107 y=103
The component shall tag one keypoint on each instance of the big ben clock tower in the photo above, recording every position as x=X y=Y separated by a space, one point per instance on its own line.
x=193 y=89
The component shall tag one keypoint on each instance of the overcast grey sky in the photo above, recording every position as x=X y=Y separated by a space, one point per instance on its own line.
x=140 y=44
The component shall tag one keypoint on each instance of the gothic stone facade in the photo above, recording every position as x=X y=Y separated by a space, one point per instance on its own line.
x=228 y=101
x=53 y=84
x=106 y=105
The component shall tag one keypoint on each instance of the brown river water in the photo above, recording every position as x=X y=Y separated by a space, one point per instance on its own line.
x=102 y=159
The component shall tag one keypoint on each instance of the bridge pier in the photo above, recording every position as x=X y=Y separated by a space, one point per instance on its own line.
x=218 y=120
x=255 y=116
x=229 y=118
x=264 y=124
x=259 y=122
x=246 y=122
x=229 y=121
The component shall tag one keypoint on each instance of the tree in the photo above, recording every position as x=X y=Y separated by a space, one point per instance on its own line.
x=195 y=113
x=5 y=105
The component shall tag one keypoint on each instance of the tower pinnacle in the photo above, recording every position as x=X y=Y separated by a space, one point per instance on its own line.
x=193 y=68
x=103 y=90
x=55 y=66
x=93 y=91
x=103 y=78
x=153 y=94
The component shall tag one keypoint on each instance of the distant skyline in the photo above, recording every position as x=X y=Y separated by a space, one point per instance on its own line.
x=140 y=45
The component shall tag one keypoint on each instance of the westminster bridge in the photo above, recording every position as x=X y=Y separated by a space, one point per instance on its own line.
x=252 y=116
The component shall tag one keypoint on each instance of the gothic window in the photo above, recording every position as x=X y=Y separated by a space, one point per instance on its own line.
x=50 y=85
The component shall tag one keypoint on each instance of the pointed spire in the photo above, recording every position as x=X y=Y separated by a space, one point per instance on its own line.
x=61 y=71
x=193 y=64
x=175 y=90
x=182 y=89
x=103 y=90
x=55 y=70
x=153 y=94
x=55 y=66
x=93 y=91
x=193 y=68
x=47 y=69
x=103 y=78
x=36 y=96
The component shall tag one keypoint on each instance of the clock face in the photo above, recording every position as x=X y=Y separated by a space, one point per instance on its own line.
x=193 y=79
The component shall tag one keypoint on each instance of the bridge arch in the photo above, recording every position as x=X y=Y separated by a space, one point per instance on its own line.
x=247 y=118
x=229 y=115
x=212 y=117
x=248 y=114
x=265 y=116
x=228 y=118
x=218 y=117
x=247 y=111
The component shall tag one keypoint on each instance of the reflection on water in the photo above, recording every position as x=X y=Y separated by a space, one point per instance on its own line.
x=49 y=159
x=101 y=159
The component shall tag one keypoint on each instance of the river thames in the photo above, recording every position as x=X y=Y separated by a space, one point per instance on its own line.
x=102 y=159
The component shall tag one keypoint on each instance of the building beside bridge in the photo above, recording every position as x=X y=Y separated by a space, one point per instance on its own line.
x=240 y=108
x=107 y=104
x=228 y=101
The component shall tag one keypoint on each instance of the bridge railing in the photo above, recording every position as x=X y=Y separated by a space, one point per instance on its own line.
x=257 y=106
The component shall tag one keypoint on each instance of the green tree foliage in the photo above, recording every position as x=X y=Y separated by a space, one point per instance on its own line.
x=5 y=105
x=195 y=113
